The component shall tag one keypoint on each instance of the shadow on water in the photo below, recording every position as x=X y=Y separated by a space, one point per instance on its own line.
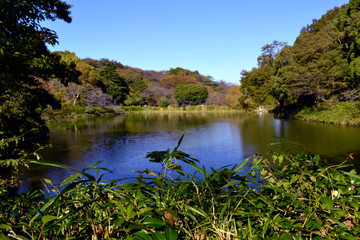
x=216 y=139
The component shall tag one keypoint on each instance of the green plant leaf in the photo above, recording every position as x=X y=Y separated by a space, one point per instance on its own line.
x=70 y=179
x=349 y=237
x=50 y=164
x=48 y=218
x=351 y=174
x=266 y=226
x=197 y=210
x=286 y=236
x=328 y=202
x=119 y=222
x=200 y=170
x=232 y=183
x=223 y=210
x=170 y=234
x=153 y=222
x=241 y=165
x=3 y=236
x=130 y=213
x=158 y=236
x=5 y=226
x=142 y=235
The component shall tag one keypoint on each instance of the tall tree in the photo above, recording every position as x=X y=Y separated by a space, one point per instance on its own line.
x=24 y=58
x=113 y=84
x=23 y=50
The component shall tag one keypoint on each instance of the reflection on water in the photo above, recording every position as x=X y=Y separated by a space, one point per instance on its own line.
x=216 y=139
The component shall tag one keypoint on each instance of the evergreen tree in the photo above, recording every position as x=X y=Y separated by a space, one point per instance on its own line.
x=113 y=84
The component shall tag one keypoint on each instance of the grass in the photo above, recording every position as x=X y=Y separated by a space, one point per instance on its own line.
x=285 y=197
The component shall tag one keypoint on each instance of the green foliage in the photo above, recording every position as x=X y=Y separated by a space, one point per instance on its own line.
x=186 y=93
x=113 y=84
x=130 y=76
x=209 y=81
x=24 y=58
x=136 y=86
x=180 y=71
x=295 y=197
x=345 y=113
x=164 y=103
x=23 y=40
x=89 y=74
x=20 y=122
x=321 y=66
x=132 y=108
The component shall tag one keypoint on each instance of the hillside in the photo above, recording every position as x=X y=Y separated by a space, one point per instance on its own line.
x=101 y=83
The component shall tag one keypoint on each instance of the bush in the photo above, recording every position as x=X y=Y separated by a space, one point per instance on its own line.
x=164 y=103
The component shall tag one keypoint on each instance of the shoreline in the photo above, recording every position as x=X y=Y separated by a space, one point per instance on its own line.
x=342 y=113
x=65 y=114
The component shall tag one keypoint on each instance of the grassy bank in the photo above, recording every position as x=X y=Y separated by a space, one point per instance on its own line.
x=83 y=112
x=190 y=108
x=345 y=113
x=287 y=197
x=80 y=112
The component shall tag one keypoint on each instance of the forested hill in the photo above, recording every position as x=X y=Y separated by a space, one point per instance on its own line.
x=103 y=82
x=322 y=67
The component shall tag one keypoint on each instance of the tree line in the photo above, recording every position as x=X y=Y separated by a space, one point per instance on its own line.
x=103 y=82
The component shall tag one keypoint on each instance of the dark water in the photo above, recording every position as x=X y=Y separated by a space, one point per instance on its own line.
x=216 y=139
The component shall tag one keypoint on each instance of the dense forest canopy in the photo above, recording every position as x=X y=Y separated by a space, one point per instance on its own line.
x=322 y=66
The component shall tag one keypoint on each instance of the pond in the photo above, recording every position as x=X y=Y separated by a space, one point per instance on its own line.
x=215 y=139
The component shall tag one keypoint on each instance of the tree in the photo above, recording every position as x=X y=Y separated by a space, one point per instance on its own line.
x=319 y=67
x=192 y=94
x=136 y=85
x=255 y=83
x=269 y=52
x=89 y=74
x=24 y=58
x=23 y=51
x=113 y=84
x=232 y=95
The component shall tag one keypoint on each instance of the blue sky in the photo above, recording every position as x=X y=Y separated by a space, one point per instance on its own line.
x=217 y=38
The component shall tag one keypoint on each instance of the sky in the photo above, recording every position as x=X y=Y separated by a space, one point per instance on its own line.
x=217 y=38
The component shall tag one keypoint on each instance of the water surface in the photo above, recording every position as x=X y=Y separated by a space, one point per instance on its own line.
x=216 y=139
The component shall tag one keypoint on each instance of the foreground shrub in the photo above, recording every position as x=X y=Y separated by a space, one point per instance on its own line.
x=286 y=197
